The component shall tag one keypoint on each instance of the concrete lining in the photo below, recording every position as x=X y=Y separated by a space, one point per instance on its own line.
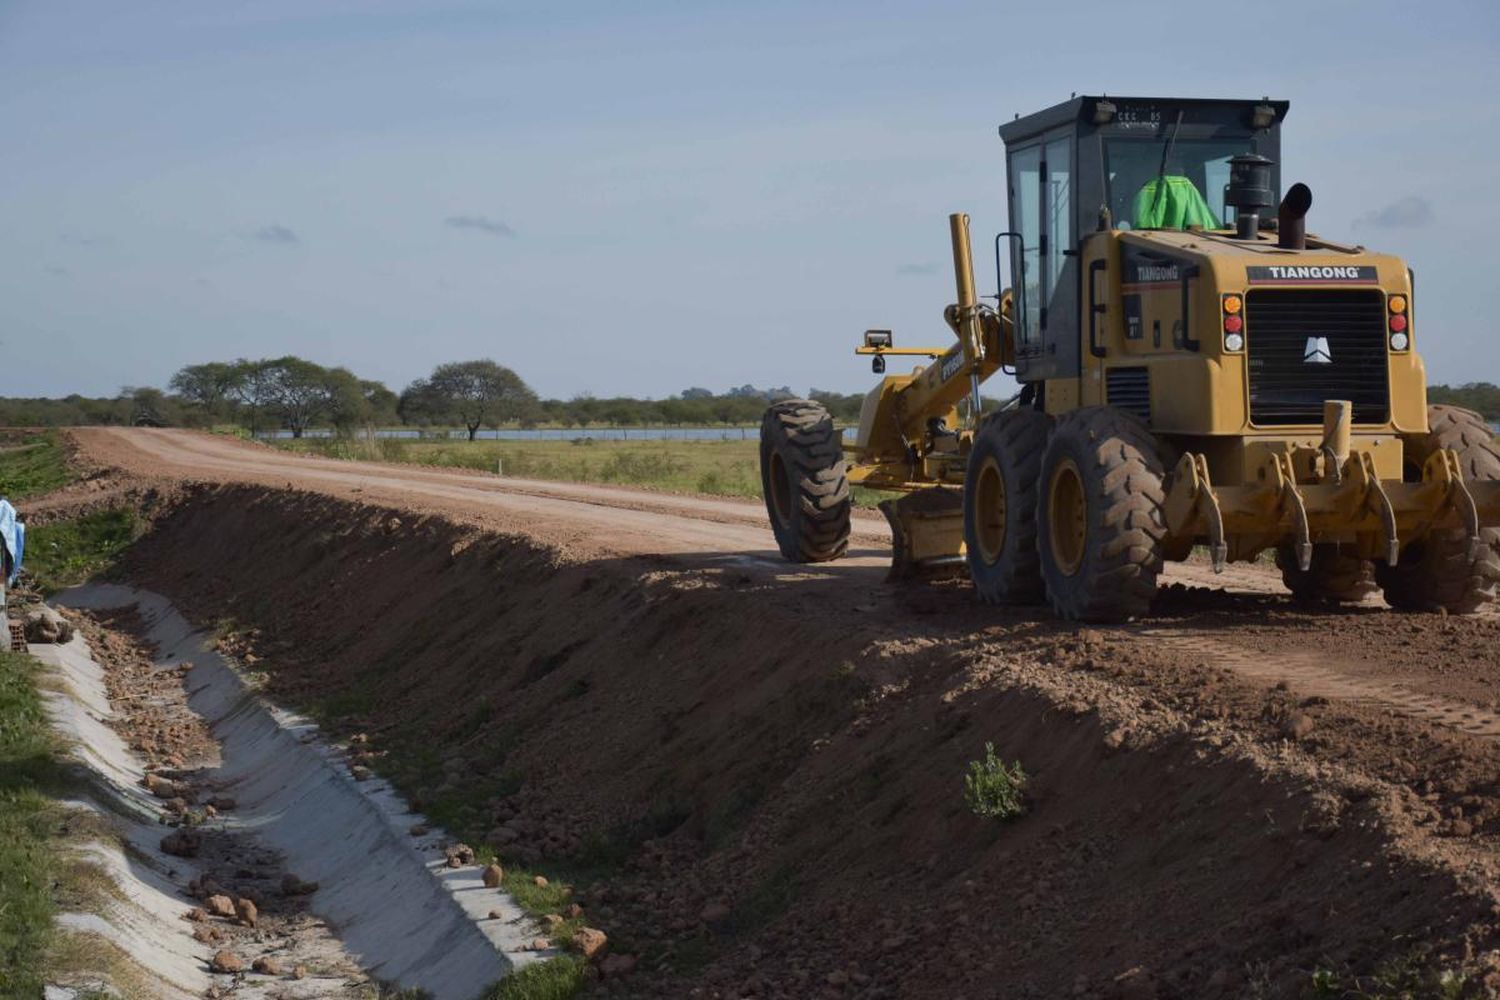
x=397 y=910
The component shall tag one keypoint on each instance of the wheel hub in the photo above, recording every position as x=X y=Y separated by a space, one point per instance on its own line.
x=989 y=512
x=1067 y=516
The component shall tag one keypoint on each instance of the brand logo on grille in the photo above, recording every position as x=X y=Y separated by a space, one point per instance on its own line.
x=1316 y=352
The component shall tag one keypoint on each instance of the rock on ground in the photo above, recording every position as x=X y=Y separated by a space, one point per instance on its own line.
x=589 y=941
x=220 y=906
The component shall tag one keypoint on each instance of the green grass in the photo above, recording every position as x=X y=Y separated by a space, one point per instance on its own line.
x=718 y=468
x=557 y=979
x=550 y=898
x=993 y=788
x=66 y=553
x=31 y=779
x=36 y=466
x=725 y=468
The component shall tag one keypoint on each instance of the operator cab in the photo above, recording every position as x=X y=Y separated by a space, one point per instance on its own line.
x=1097 y=163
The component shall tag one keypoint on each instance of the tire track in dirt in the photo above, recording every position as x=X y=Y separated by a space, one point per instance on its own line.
x=1319 y=675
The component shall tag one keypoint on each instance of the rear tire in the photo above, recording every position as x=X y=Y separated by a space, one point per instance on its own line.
x=1332 y=576
x=1100 y=526
x=805 y=481
x=1000 y=507
x=1435 y=573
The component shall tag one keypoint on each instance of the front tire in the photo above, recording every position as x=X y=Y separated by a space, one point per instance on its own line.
x=1435 y=573
x=1000 y=507
x=1332 y=576
x=1100 y=525
x=805 y=481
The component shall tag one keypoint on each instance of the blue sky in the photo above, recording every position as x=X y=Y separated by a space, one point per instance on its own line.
x=637 y=198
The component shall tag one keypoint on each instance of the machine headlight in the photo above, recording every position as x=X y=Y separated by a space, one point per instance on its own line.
x=1234 y=342
x=1399 y=341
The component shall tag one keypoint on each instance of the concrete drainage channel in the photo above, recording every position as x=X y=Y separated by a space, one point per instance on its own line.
x=387 y=906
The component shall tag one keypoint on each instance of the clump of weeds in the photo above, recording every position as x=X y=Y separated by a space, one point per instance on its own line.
x=994 y=789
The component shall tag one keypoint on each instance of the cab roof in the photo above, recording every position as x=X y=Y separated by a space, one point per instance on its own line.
x=1088 y=109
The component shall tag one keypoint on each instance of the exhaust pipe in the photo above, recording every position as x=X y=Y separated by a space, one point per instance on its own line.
x=1291 y=218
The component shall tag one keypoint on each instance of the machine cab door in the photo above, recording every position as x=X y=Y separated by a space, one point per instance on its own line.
x=1044 y=261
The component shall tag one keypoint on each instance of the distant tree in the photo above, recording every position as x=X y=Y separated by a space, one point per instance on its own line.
x=474 y=393
x=207 y=385
x=148 y=406
x=696 y=393
x=381 y=403
x=302 y=392
x=348 y=406
x=254 y=387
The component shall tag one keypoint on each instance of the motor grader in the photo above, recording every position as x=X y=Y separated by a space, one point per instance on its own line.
x=1196 y=372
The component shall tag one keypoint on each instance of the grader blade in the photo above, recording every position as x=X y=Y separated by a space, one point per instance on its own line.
x=927 y=534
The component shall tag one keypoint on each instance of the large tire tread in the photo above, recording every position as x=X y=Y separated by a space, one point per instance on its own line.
x=811 y=448
x=1436 y=573
x=1016 y=439
x=1332 y=576
x=1123 y=479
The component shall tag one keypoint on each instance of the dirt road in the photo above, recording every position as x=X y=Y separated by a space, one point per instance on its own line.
x=591 y=521
x=785 y=743
x=586 y=519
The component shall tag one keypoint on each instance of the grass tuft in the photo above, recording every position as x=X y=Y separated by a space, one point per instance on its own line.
x=556 y=979
x=994 y=789
x=550 y=898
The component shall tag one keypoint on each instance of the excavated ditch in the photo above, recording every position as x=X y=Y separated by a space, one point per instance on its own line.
x=755 y=781
x=324 y=890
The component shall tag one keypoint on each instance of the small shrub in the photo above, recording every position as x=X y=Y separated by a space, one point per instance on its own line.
x=994 y=789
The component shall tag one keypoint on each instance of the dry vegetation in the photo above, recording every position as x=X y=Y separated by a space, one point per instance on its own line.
x=720 y=468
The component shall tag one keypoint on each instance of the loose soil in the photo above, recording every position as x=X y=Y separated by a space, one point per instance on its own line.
x=755 y=773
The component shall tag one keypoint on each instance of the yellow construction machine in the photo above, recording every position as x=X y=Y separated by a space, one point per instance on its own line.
x=1194 y=371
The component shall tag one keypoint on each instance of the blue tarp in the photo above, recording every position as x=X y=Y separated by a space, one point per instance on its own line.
x=13 y=535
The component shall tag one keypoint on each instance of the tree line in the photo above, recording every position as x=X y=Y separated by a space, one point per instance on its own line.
x=297 y=395
x=1482 y=397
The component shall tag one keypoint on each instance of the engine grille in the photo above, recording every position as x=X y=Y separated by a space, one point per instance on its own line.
x=1284 y=326
x=1130 y=390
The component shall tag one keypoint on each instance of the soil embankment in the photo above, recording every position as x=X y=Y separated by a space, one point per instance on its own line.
x=755 y=775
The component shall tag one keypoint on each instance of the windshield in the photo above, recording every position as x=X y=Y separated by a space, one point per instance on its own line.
x=1191 y=193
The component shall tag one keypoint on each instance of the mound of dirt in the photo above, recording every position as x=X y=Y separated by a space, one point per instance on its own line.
x=757 y=783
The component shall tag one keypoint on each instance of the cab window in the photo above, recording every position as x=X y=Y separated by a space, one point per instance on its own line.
x=1026 y=258
x=1160 y=184
x=1057 y=194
